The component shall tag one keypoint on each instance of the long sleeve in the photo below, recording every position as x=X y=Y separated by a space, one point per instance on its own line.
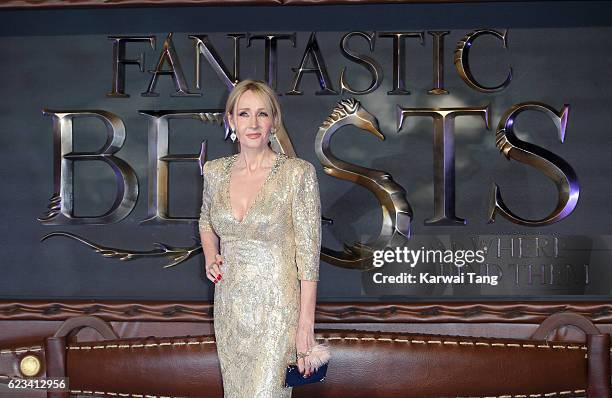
x=204 y=222
x=306 y=212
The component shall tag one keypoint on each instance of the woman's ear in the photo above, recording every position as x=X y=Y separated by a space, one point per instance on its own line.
x=230 y=121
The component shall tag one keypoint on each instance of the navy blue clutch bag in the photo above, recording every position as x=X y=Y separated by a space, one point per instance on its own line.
x=293 y=377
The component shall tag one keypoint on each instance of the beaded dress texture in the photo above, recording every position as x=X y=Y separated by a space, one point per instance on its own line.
x=265 y=255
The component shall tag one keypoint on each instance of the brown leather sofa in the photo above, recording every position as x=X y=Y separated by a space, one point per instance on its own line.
x=364 y=363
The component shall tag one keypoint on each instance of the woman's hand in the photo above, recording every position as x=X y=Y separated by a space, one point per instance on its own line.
x=304 y=341
x=213 y=270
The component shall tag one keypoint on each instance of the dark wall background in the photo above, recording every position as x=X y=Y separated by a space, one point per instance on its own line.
x=61 y=59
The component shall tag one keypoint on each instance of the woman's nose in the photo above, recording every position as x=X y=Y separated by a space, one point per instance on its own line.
x=253 y=122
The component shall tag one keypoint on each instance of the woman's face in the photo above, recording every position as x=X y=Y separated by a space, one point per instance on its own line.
x=251 y=120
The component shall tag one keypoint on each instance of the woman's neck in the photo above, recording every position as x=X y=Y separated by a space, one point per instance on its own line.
x=254 y=159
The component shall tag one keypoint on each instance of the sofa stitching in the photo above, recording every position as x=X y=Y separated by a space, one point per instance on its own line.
x=381 y=339
x=119 y=394
x=452 y=342
x=138 y=345
x=20 y=350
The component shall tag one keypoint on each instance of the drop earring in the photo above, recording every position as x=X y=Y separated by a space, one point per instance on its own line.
x=233 y=135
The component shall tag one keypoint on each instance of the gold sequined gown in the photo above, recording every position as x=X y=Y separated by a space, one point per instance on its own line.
x=277 y=244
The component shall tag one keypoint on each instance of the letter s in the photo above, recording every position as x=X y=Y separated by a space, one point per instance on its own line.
x=395 y=209
x=553 y=166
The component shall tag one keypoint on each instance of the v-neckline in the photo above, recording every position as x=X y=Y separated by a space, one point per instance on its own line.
x=261 y=188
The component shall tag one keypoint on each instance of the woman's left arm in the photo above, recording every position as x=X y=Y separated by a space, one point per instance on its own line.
x=306 y=211
x=304 y=339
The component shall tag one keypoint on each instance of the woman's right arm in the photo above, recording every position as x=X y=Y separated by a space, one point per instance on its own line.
x=212 y=258
x=208 y=237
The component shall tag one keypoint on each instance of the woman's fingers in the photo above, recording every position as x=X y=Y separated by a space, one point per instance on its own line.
x=303 y=363
x=217 y=267
x=216 y=271
x=209 y=274
x=213 y=270
x=304 y=367
x=307 y=367
x=304 y=341
x=213 y=273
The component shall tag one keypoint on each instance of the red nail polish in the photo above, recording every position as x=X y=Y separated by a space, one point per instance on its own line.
x=219 y=277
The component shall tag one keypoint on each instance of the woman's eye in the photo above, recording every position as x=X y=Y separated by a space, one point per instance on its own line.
x=243 y=114
x=264 y=114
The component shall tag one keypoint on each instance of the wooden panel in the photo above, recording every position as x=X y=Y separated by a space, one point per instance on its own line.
x=328 y=312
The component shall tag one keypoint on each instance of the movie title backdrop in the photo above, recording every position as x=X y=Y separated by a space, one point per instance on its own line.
x=435 y=129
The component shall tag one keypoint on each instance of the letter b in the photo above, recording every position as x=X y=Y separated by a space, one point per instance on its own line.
x=61 y=209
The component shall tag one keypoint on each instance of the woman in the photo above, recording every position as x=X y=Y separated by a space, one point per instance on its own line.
x=260 y=227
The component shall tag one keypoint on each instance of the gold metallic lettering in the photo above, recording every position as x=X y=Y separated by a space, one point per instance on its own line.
x=444 y=156
x=61 y=209
x=396 y=210
x=554 y=167
x=368 y=62
x=169 y=55
x=119 y=61
x=462 y=53
x=399 y=64
x=271 y=53
x=312 y=53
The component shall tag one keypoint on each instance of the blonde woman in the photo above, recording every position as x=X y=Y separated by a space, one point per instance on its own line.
x=260 y=227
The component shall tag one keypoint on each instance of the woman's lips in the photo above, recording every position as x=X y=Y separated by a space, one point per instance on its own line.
x=254 y=135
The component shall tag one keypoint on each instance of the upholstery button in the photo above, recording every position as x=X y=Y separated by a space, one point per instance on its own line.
x=30 y=365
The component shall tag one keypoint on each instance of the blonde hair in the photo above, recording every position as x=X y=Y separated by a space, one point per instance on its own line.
x=260 y=88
